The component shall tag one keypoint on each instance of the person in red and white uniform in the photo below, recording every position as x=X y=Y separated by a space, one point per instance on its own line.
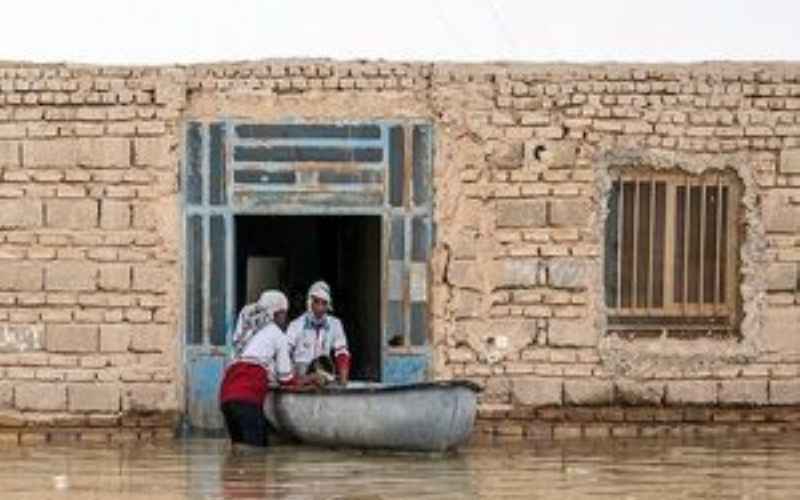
x=318 y=334
x=260 y=359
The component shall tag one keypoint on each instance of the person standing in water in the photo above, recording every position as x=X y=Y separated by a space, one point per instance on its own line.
x=260 y=359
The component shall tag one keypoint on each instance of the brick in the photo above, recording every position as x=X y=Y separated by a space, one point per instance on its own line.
x=524 y=272
x=72 y=214
x=784 y=392
x=115 y=214
x=20 y=338
x=536 y=391
x=780 y=216
x=149 y=397
x=72 y=338
x=790 y=161
x=103 y=398
x=521 y=214
x=638 y=393
x=579 y=332
x=6 y=395
x=53 y=153
x=568 y=273
x=581 y=392
x=153 y=152
x=738 y=391
x=9 y=154
x=92 y=114
x=71 y=275
x=151 y=278
x=781 y=277
x=703 y=392
x=12 y=130
x=115 y=338
x=20 y=213
x=105 y=152
x=16 y=276
x=149 y=338
x=115 y=277
x=465 y=275
x=780 y=329
x=37 y=396
x=144 y=216
x=569 y=213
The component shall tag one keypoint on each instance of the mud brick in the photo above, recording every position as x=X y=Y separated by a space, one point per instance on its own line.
x=668 y=415
x=639 y=414
x=726 y=416
x=33 y=438
x=697 y=414
x=63 y=436
x=610 y=414
x=551 y=414
x=9 y=438
x=539 y=431
x=655 y=430
x=625 y=430
x=580 y=414
x=95 y=436
x=567 y=431
x=522 y=413
x=510 y=428
x=596 y=430
x=493 y=413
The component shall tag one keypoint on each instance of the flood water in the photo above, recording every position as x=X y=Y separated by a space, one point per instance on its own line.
x=747 y=467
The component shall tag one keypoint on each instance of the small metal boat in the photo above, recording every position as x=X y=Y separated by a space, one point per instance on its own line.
x=430 y=416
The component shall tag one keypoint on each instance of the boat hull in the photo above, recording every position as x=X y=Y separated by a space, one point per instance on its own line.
x=437 y=416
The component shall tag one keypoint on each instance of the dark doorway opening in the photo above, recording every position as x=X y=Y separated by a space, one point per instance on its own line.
x=291 y=252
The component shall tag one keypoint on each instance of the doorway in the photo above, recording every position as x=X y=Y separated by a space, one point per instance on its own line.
x=289 y=252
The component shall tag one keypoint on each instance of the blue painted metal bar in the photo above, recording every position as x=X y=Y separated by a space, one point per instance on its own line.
x=422 y=153
x=193 y=164
x=305 y=153
x=218 y=270
x=217 y=174
x=194 y=280
x=303 y=131
x=396 y=164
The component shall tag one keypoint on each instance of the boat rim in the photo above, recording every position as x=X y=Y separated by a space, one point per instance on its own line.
x=371 y=389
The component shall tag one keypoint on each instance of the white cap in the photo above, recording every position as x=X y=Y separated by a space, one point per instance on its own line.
x=273 y=301
x=321 y=290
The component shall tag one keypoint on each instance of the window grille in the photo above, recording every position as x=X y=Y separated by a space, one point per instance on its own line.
x=672 y=244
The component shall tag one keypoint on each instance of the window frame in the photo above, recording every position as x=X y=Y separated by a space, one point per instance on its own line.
x=673 y=316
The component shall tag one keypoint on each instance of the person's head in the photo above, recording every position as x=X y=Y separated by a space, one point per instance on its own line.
x=319 y=299
x=276 y=306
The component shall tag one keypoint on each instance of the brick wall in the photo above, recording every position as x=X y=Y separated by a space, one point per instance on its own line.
x=91 y=249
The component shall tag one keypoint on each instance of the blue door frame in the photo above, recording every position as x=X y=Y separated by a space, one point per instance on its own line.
x=378 y=168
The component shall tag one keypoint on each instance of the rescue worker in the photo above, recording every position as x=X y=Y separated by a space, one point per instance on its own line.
x=260 y=359
x=317 y=335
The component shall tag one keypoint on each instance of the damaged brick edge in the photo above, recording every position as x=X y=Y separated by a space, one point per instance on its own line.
x=752 y=286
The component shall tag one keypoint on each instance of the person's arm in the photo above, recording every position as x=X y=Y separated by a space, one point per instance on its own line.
x=341 y=354
x=287 y=376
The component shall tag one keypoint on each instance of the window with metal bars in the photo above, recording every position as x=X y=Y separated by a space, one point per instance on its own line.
x=671 y=256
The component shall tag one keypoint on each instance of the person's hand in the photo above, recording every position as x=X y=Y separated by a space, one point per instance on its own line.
x=313 y=380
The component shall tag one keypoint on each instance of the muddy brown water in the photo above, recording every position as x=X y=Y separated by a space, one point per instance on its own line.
x=743 y=467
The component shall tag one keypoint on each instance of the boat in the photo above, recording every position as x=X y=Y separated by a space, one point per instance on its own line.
x=427 y=416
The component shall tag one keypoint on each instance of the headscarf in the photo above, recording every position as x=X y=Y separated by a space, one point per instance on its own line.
x=256 y=316
x=320 y=290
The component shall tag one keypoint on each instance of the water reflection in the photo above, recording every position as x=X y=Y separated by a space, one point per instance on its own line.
x=729 y=467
